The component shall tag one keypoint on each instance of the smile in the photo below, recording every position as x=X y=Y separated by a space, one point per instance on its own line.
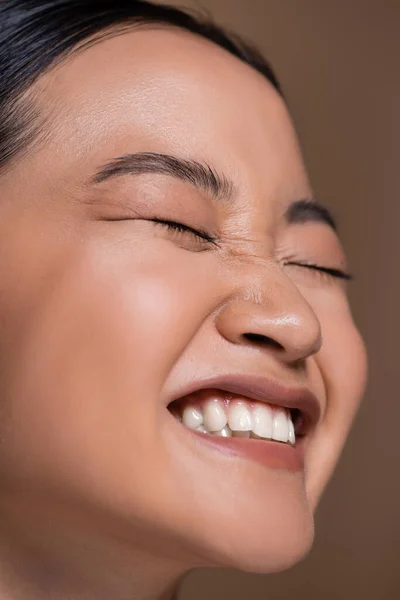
x=238 y=415
x=216 y=412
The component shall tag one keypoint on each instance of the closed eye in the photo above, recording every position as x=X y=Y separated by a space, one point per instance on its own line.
x=202 y=235
x=181 y=228
x=198 y=234
x=336 y=273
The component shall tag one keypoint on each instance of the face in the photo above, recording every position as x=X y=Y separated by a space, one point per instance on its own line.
x=108 y=315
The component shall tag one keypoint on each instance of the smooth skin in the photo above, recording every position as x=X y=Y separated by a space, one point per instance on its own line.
x=106 y=315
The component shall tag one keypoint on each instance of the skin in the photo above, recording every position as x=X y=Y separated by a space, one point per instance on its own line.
x=103 y=322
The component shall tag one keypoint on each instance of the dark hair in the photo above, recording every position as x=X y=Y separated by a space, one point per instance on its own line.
x=35 y=35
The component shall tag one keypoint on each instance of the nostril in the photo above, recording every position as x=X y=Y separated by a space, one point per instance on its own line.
x=263 y=340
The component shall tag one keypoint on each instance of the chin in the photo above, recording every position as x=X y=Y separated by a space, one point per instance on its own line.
x=266 y=539
x=265 y=554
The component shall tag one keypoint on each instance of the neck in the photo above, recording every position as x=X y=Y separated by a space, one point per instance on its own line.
x=48 y=556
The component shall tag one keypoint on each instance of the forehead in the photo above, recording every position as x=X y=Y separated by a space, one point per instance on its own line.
x=166 y=90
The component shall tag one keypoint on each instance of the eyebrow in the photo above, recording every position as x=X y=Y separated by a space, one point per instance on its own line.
x=201 y=175
x=309 y=210
x=204 y=177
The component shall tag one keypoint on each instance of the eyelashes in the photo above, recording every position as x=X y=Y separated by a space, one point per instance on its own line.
x=202 y=236
x=181 y=228
x=335 y=273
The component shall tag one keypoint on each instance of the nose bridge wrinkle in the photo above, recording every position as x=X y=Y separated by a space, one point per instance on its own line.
x=249 y=249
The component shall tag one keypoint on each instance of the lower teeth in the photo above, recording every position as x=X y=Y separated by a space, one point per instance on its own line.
x=241 y=434
x=227 y=432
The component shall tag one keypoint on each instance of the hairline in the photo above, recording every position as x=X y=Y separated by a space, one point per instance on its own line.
x=36 y=125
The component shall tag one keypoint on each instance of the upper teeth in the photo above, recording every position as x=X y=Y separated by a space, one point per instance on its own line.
x=238 y=418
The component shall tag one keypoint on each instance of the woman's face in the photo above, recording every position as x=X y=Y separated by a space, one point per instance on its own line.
x=108 y=316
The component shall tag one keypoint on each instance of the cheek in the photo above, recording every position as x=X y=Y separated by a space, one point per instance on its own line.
x=103 y=325
x=342 y=371
x=343 y=363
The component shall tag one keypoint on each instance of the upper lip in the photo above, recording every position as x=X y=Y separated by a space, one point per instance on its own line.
x=265 y=390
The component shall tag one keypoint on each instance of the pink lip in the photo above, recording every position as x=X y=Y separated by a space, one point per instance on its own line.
x=270 y=454
x=264 y=390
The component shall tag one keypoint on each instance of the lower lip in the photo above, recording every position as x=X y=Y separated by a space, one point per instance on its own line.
x=274 y=455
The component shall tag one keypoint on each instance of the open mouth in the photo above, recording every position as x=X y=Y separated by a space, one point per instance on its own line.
x=220 y=413
x=249 y=417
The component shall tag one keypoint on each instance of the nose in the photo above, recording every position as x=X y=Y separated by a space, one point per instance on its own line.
x=271 y=313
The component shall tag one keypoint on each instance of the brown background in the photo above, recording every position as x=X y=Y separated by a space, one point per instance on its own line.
x=339 y=63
